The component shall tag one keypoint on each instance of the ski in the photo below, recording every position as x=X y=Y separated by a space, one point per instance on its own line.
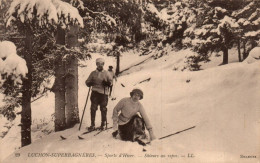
x=102 y=131
x=87 y=132
x=62 y=137
x=81 y=138
x=140 y=142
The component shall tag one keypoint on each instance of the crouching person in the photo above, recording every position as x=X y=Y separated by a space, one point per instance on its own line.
x=128 y=124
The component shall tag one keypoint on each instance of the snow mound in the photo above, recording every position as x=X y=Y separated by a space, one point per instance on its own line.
x=10 y=62
x=253 y=56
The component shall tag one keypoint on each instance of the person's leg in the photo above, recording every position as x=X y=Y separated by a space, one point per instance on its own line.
x=138 y=128
x=103 y=109
x=124 y=132
x=133 y=129
x=93 y=109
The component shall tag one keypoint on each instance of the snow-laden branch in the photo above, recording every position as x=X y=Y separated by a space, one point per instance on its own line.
x=252 y=33
x=2 y=3
x=44 y=11
x=242 y=12
x=227 y=23
x=108 y=18
x=254 y=15
x=151 y=8
x=10 y=62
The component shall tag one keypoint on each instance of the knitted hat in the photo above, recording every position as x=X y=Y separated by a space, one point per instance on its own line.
x=139 y=91
x=100 y=60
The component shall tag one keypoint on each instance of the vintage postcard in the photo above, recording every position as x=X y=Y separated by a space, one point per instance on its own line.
x=130 y=81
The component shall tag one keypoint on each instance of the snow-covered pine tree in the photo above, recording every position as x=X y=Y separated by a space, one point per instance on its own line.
x=3 y=7
x=215 y=33
x=32 y=18
x=226 y=30
x=12 y=69
x=249 y=26
x=171 y=19
x=180 y=16
x=233 y=21
x=121 y=19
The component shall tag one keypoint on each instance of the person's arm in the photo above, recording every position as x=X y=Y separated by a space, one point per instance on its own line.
x=108 y=79
x=89 y=81
x=116 y=110
x=147 y=123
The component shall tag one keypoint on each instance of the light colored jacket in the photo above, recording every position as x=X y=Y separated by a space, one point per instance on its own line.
x=128 y=109
x=96 y=78
x=112 y=75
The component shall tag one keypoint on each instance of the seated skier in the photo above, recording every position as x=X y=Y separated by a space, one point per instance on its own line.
x=128 y=123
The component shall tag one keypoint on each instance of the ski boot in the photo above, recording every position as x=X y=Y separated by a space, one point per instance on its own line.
x=102 y=126
x=91 y=128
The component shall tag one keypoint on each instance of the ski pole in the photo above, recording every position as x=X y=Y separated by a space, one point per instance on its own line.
x=84 y=108
x=176 y=133
x=105 y=95
x=173 y=134
x=106 y=121
x=107 y=101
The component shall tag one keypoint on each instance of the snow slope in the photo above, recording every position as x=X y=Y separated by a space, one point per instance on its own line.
x=222 y=102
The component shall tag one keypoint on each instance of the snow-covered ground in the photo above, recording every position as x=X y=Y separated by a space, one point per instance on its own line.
x=222 y=102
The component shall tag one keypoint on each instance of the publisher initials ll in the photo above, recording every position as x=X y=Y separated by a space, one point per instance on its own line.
x=190 y=155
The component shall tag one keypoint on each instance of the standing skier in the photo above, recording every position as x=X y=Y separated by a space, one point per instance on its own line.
x=125 y=122
x=113 y=76
x=100 y=81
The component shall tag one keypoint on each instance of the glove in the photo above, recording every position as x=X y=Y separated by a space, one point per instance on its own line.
x=152 y=136
x=106 y=83
x=115 y=133
x=89 y=84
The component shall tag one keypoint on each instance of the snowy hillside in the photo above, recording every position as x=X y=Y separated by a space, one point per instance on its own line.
x=222 y=102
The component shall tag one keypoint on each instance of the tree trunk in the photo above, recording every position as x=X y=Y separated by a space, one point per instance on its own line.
x=71 y=80
x=26 y=94
x=137 y=29
x=239 y=51
x=225 y=55
x=244 y=50
x=117 y=63
x=59 y=86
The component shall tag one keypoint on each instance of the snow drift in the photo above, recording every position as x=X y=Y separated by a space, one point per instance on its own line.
x=222 y=102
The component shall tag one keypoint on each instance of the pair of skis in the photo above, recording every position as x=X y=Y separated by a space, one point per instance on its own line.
x=140 y=142
x=87 y=132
